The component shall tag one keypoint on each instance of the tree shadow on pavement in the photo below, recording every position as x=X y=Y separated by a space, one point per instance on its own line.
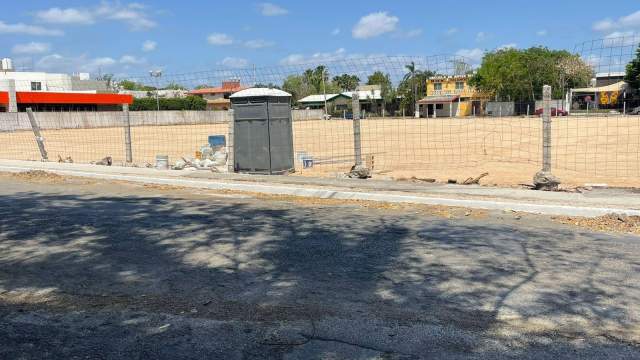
x=353 y=276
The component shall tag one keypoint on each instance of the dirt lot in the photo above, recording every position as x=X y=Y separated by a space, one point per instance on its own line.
x=585 y=149
x=93 y=269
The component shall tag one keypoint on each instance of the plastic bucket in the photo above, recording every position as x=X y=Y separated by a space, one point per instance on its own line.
x=162 y=162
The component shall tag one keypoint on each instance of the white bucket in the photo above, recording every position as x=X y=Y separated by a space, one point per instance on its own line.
x=162 y=162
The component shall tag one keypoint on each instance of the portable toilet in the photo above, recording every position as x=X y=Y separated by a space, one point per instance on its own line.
x=263 y=134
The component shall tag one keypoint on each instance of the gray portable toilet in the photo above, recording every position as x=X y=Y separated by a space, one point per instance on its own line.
x=263 y=134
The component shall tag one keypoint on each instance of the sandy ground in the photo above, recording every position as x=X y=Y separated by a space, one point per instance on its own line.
x=95 y=269
x=585 y=149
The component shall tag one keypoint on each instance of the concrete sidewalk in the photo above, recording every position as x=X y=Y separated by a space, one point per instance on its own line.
x=591 y=203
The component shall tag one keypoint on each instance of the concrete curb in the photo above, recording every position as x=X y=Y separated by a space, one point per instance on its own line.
x=544 y=209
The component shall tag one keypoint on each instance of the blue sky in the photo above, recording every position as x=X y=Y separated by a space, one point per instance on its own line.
x=123 y=37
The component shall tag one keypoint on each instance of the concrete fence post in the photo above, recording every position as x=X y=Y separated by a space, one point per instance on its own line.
x=544 y=180
x=13 y=101
x=357 y=145
x=231 y=167
x=37 y=134
x=127 y=133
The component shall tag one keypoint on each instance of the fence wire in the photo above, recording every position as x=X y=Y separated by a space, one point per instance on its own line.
x=599 y=144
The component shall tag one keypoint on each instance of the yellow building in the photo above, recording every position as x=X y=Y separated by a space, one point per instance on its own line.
x=449 y=96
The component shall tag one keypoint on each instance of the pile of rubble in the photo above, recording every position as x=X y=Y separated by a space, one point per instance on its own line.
x=207 y=158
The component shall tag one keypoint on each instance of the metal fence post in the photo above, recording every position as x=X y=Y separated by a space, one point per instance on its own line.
x=546 y=128
x=544 y=180
x=127 y=133
x=357 y=146
x=37 y=134
x=231 y=142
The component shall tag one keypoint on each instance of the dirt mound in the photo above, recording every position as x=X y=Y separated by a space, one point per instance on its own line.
x=609 y=223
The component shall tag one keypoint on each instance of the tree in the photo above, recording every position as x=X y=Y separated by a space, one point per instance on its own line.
x=413 y=86
x=174 y=86
x=346 y=82
x=203 y=86
x=632 y=76
x=519 y=75
x=134 y=86
x=186 y=103
x=296 y=86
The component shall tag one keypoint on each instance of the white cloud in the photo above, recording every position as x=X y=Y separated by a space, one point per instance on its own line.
x=631 y=21
x=481 y=36
x=508 y=46
x=234 y=62
x=149 y=46
x=84 y=63
x=452 y=31
x=134 y=14
x=132 y=60
x=219 y=39
x=297 y=59
x=31 y=48
x=66 y=16
x=414 y=33
x=543 y=32
x=621 y=38
x=375 y=24
x=475 y=55
x=25 y=29
x=269 y=9
x=336 y=32
x=258 y=44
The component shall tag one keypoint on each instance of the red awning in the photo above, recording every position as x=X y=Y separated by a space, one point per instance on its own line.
x=36 y=97
x=438 y=99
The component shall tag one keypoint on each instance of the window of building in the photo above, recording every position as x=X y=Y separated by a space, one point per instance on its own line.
x=437 y=86
x=36 y=86
x=459 y=85
x=439 y=106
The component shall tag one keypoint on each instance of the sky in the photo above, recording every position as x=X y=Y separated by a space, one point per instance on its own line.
x=130 y=38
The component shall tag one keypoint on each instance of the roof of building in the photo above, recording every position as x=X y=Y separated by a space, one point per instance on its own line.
x=610 y=74
x=363 y=95
x=619 y=86
x=366 y=94
x=258 y=92
x=218 y=90
x=438 y=99
x=42 y=97
x=319 y=98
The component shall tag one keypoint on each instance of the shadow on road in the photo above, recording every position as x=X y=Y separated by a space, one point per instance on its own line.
x=250 y=261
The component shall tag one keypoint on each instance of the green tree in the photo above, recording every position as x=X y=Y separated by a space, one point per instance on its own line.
x=519 y=74
x=632 y=75
x=386 y=87
x=134 y=86
x=186 y=103
x=413 y=83
x=346 y=82
x=296 y=86
x=174 y=86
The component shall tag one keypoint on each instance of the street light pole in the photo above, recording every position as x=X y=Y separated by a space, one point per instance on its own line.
x=156 y=74
x=324 y=91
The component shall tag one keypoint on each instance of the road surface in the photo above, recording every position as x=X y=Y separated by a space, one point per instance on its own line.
x=99 y=270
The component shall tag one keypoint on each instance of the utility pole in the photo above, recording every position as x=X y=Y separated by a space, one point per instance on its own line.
x=156 y=74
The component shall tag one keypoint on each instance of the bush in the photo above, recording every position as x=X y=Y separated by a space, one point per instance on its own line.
x=187 y=103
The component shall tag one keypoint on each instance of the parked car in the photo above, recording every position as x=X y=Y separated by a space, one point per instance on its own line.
x=554 y=112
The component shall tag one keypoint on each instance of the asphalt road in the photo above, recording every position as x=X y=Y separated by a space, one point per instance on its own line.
x=114 y=271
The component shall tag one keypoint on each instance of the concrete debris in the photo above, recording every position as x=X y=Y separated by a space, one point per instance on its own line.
x=67 y=160
x=107 y=161
x=476 y=180
x=546 y=181
x=452 y=181
x=359 y=172
x=215 y=161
